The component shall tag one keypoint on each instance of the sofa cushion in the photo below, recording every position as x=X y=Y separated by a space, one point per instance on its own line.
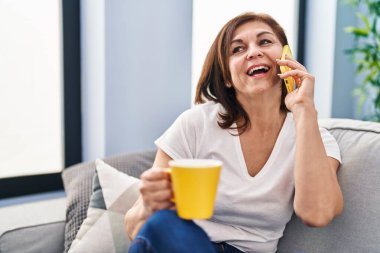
x=357 y=228
x=78 y=186
x=34 y=239
x=114 y=193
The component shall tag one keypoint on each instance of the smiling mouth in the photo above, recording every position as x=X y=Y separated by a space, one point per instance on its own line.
x=257 y=70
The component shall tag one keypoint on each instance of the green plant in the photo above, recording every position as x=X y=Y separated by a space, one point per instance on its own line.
x=366 y=54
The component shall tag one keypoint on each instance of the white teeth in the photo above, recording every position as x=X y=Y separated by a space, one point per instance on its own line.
x=250 y=72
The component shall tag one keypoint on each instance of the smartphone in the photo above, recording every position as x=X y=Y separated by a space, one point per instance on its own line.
x=289 y=81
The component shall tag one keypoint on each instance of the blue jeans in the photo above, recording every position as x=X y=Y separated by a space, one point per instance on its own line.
x=165 y=232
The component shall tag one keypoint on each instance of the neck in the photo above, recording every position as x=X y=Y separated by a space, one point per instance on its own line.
x=264 y=111
x=266 y=121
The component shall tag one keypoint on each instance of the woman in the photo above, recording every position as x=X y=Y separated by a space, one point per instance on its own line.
x=276 y=159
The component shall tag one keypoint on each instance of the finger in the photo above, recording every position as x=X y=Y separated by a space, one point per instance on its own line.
x=298 y=76
x=154 y=174
x=152 y=186
x=156 y=206
x=159 y=196
x=302 y=75
x=296 y=63
x=291 y=63
x=157 y=199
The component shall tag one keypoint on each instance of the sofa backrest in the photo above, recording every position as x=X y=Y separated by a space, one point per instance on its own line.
x=357 y=229
x=78 y=180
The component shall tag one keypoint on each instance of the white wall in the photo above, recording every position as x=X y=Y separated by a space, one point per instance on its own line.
x=136 y=64
x=93 y=78
x=320 y=50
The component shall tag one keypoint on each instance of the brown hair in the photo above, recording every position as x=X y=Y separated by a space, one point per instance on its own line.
x=216 y=72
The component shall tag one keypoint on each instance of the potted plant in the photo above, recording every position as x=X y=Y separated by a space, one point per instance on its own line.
x=366 y=55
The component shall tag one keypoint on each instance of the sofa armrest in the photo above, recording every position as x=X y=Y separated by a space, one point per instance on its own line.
x=33 y=227
x=42 y=238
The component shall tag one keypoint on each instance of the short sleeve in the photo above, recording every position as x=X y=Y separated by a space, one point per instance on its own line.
x=178 y=141
x=331 y=146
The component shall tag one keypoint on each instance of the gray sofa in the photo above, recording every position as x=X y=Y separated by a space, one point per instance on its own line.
x=51 y=225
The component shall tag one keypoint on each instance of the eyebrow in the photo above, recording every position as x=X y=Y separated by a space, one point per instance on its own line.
x=258 y=35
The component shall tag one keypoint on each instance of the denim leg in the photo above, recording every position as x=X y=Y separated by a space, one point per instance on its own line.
x=140 y=245
x=165 y=232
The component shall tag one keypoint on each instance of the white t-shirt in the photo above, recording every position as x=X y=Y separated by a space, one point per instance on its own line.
x=250 y=212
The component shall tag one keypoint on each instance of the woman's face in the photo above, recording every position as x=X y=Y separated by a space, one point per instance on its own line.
x=252 y=64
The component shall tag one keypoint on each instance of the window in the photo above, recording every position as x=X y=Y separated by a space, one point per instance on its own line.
x=39 y=116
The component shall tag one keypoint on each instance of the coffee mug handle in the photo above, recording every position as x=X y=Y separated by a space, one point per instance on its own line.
x=169 y=171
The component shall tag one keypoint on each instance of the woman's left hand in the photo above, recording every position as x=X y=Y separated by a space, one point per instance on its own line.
x=304 y=94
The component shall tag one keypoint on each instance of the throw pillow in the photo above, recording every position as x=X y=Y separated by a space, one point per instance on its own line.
x=113 y=195
x=77 y=181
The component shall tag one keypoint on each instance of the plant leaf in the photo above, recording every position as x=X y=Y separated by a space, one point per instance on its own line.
x=374 y=7
x=377 y=101
x=374 y=25
x=365 y=21
x=360 y=32
x=365 y=54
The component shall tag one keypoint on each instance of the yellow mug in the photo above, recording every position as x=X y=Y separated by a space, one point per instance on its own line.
x=195 y=182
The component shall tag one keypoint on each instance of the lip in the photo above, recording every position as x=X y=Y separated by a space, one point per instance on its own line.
x=258 y=65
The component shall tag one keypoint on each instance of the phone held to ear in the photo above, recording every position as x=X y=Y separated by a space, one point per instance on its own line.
x=289 y=81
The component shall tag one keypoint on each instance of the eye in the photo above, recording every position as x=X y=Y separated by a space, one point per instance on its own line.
x=265 y=42
x=237 y=49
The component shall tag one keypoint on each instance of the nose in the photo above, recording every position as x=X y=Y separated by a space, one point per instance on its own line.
x=254 y=52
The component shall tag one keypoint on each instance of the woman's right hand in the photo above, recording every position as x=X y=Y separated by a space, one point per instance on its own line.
x=156 y=194
x=156 y=191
